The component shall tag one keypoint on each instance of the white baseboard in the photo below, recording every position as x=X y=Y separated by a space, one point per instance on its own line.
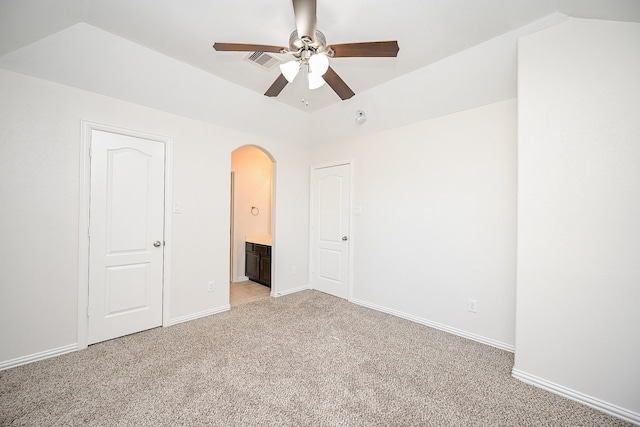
x=290 y=291
x=439 y=326
x=8 y=364
x=592 y=402
x=200 y=314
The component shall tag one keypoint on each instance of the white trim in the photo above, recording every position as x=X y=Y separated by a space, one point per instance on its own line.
x=576 y=396
x=86 y=128
x=290 y=291
x=439 y=326
x=352 y=226
x=200 y=314
x=274 y=229
x=232 y=225
x=168 y=231
x=8 y=364
x=83 y=234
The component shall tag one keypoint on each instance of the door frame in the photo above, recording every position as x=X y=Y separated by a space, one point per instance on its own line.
x=232 y=199
x=83 y=216
x=312 y=258
x=232 y=232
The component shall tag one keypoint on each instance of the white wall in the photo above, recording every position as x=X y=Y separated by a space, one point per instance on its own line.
x=480 y=75
x=253 y=180
x=439 y=220
x=92 y=59
x=578 y=323
x=39 y=185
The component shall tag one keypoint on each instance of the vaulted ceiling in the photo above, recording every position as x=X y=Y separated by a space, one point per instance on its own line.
x=54 y=40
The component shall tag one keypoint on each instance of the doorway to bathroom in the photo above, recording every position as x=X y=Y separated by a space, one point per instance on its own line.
x=252 y=224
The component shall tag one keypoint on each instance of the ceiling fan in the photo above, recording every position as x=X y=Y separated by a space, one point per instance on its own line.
x=309 y=48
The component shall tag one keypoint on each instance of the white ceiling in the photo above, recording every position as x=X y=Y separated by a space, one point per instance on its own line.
x=454 y=55
x=427 y=31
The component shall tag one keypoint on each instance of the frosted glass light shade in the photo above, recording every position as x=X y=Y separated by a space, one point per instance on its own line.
x=315 y=81
x=290 y=70
x=319 y=63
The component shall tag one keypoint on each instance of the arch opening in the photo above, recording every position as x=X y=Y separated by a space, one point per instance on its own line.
x=252 y=224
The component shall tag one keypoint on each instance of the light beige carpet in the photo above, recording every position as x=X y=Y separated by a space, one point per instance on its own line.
x=306 y=359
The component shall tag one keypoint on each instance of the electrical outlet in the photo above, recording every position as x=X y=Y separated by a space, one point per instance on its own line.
x=212 y=285
x=294 y=270
x=473 y=306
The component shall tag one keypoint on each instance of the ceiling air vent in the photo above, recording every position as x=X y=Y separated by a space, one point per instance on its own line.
x=263 y=60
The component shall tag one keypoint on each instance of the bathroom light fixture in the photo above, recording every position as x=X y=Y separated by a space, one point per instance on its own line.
x=361 y=117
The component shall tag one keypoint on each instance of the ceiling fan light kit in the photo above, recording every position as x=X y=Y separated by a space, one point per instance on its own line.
x=309 y=47
x=290 y=70
x=315 y=80
x=318 y=64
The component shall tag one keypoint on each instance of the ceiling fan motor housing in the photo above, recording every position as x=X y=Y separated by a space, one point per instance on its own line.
x=298 y=45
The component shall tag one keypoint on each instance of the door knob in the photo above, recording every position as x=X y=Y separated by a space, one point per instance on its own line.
x=345 y=238
x=157 y=243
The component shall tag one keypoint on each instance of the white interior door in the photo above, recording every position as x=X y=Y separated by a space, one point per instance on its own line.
x=331 y=206
x=126 y=235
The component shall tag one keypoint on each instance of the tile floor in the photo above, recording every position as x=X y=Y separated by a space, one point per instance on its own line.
x=244 y=292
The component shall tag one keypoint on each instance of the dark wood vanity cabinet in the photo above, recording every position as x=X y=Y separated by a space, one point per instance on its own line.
x=258 y=263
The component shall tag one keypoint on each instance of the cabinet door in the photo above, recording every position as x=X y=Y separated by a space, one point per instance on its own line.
x=252 y=265
x=265 y=270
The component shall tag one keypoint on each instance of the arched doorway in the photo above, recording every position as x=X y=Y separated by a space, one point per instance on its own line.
x=252 y=224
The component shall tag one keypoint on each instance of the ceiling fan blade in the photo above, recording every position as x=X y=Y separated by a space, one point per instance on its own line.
x=366 y=49
x=337 y=84
x=240 y=47
x=277 y=86
x=306 y=18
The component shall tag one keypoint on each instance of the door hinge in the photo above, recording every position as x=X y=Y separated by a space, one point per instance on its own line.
x=87 y=311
